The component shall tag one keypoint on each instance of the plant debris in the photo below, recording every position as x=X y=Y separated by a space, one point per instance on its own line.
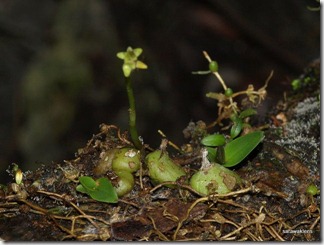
x=57 y=212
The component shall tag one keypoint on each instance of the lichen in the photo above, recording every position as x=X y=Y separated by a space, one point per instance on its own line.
x=301 y=135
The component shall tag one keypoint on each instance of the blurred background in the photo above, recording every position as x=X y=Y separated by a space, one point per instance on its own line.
x=60 y=78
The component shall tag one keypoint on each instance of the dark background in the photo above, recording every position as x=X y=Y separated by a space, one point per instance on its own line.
x=60 y=78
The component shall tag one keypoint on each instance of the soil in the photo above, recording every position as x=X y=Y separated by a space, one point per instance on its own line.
x=271 y=205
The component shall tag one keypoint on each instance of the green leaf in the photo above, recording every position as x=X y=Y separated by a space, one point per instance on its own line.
x=211 y=154
x=234 y=117
x=248 y=112
x=88 y=183
x=105 y=192
x=236 y=128
x=220 y=154
x=101 y=190
x=214 y=140
x=80 y=188
x=238 y=149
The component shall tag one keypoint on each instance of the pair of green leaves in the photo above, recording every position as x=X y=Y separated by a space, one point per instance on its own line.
x=233 y=152
x=238 y=123
x=100 y=190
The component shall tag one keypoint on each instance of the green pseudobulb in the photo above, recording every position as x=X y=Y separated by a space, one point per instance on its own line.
x=162 y=168
x=214 y=179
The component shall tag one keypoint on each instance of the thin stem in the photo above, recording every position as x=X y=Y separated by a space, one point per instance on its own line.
x=132 y=114
x=220 y=79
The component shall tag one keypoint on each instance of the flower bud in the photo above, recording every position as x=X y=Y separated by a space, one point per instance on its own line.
x=213 y=66
x=18 y=176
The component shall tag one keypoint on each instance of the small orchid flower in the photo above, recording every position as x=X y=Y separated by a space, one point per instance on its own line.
x=130 y=60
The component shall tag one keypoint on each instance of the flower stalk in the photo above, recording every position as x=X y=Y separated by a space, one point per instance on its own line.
x=130 y=64
x=132 y=114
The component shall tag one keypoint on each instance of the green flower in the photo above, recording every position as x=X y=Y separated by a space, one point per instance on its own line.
x=130 y=60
